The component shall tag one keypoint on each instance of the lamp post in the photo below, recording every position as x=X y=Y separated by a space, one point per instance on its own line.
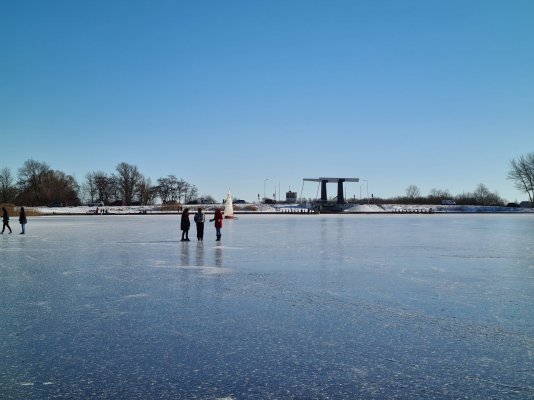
x=367 y=188
x=264 y=182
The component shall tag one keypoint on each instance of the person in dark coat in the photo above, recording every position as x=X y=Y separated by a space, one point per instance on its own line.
x=185 y=224
x=5 y=220
x=199 y=220
x=23 y=221
x=218 y=218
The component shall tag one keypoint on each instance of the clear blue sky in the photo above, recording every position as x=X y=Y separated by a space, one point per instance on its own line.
x=227 y=94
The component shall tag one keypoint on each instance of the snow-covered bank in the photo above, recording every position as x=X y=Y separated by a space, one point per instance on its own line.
x=426 y=208
x=151 y=209
x=266 y=208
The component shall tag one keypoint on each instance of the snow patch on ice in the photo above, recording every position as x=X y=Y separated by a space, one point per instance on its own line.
x=205 y=269
x=214 y=270
x=134 y=296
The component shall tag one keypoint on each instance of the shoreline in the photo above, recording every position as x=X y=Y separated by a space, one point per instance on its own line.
x=404 y=212
x=262 y=209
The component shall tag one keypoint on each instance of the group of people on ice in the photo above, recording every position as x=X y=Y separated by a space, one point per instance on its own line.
x=199 y=219
x=185 y=223
x=22 y=219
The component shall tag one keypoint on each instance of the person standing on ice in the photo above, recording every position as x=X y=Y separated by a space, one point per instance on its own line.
x=5 y=220
x=184 y=225
x=218 y=218
x=23 y=221
x=199 y=220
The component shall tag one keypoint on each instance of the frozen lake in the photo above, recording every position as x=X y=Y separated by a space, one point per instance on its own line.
x=286 y=306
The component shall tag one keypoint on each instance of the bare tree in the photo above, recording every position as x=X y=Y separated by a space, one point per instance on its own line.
x=58 y=187
x=147 y=192
x=522 y=173
x=191 y=193
x=115 y=189
x=167 y=189
x=31 y=176
x=89 y=187
x=171 y=189
x=182 y=188
x=481 y=194
x=8 y=190
x=129 y=179
x=105 y=187
x=439 y=194
x=413 y=192
x=484 y=197
x=100 y=186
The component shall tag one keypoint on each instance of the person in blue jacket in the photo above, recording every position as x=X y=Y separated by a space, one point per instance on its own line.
x=199 y=220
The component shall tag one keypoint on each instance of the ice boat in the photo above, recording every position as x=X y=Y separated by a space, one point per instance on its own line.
x=228 y=206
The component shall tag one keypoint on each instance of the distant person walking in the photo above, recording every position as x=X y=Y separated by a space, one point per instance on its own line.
x=23 y=221
x=218 y=218
x=185 y=225
x=5 y=220
x=199 y=220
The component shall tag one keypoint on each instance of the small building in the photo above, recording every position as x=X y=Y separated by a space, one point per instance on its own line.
x=291 y=197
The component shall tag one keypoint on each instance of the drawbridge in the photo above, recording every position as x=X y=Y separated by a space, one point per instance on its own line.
x=324 y=205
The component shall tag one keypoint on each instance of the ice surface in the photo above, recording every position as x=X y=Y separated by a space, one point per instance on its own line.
x=286 y=306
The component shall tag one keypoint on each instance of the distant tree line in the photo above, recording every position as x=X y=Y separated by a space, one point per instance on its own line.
x=481 y=196
x=36 y=184
x=521 y=172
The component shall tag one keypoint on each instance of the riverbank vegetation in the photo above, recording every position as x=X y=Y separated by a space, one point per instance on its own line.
x=481 y=196
x=37 y=184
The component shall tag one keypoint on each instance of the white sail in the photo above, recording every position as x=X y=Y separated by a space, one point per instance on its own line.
x=228 y=207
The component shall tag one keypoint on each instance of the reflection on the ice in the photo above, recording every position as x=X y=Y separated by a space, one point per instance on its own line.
x=186 y=255
x=200 y=254
x=218 y=255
